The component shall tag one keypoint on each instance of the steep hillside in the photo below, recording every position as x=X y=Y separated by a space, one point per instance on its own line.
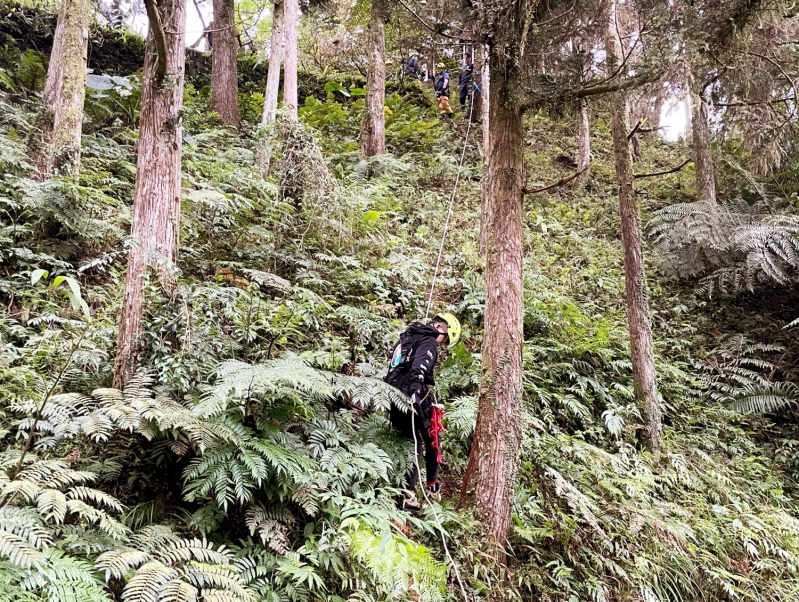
x=252 y=457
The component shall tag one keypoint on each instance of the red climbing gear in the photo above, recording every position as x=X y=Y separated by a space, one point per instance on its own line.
x=436 y=427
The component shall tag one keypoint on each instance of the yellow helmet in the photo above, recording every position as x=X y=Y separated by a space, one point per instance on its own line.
x=453 y=327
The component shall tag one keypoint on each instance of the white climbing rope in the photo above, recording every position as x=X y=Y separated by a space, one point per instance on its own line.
x=449 y=210
x=431 y=505
x=427 y=315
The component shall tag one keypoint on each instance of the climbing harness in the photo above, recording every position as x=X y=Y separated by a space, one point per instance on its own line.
x=449 y=211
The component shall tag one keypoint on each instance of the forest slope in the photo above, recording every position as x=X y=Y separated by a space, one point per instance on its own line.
x=251 y=458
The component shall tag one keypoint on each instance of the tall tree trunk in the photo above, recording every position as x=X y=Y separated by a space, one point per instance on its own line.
x=275 y=59
x=653 y=124
x=224 y=82
x=373 y=130
x=703 y=158
x=485 y=87
x=292 y=19
x=638 y=319
x=65 y=91
x=496 y=438
x=156 y=204
x=583 y=144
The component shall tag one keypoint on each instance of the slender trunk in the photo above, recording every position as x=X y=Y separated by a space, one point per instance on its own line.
x=373 y=130
x=65 y=91
x=275 y=58
x=653 y=124
x=496 y=438
x=703 y=158
x=156 y=204
x=583 y=145
x=292 y=18
x=688 y=109
x=224 y=83
x=638 y=320
x=485 y=86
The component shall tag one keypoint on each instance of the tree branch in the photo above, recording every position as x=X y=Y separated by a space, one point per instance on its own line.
x=432 y=29
x=635 y=130
x=753 y=103
x=776 y=64
x=202 y=22
x=663 y=173
x=159 y=37
x=630 y=82
x=560 y=182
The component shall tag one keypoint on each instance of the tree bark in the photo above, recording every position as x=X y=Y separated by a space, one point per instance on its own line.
x=485 y=86
x=638 y=319
x=496 y=438
x=583 y=145
x=156 y=204
x=275 y=59
x=292 y=18
x=65 y=91
x=224 y=82
x=373 y=130
x=703 y=158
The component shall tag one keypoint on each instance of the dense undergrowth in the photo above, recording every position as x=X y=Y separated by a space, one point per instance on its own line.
x=251 y=459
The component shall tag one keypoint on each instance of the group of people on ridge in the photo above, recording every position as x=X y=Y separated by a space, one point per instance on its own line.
x=441 y=80
x=410 y=370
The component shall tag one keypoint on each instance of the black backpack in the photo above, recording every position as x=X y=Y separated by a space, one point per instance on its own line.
x=440 y=82
x=402 y=358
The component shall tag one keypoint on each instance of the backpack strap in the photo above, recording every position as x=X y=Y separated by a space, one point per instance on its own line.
x=402 y=358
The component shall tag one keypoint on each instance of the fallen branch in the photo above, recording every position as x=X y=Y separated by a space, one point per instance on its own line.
x=560 y=182
x=662 y=173
x=159 y=37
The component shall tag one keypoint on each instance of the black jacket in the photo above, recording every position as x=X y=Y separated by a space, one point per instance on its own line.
x=413 y=360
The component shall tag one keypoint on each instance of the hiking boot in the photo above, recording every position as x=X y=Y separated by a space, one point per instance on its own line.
x=434 y=491
x=410 y=504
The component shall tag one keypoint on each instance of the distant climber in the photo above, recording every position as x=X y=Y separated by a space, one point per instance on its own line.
x=442 y=90
x=411 y=371
x=412 y=66
x=465 y=80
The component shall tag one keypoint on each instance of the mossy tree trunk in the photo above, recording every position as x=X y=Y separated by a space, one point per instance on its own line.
x=292 y=19
x=65 y=91
x=275 y=60
x=156 y=205
x=496 y=438
x=224 y=82
x=638 y=318
x=373 y=130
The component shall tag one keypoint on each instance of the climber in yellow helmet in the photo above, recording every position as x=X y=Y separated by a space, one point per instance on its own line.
x=411 y=371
